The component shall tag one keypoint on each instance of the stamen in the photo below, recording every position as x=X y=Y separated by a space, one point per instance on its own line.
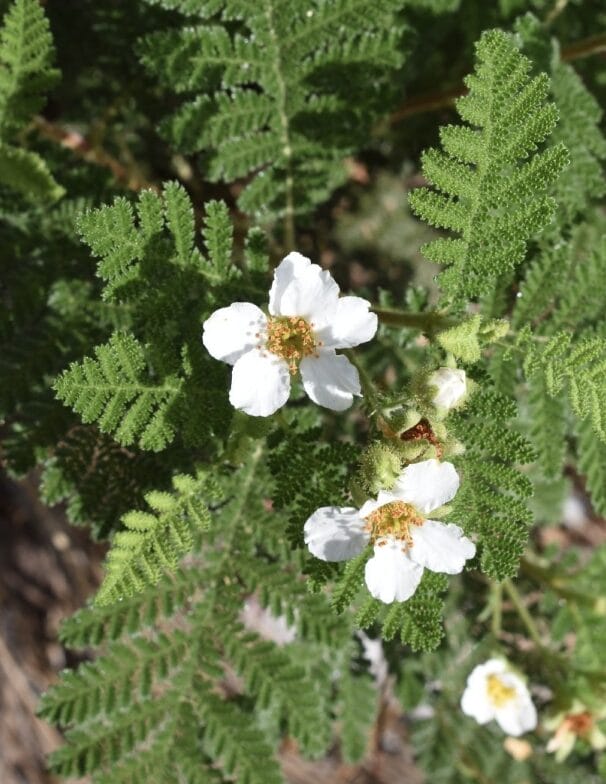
x=393 y=521
x=498 y=692
x=292 y=338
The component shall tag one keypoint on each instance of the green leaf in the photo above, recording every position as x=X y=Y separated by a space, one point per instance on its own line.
x=490 y=182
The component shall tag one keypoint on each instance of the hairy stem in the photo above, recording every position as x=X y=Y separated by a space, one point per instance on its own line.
x=426 y=322
x=523 y=613
x=366 y=382
x=496 y=601
x=289 y=213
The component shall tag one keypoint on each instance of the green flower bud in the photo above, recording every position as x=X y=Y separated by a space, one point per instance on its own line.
x=380 y=466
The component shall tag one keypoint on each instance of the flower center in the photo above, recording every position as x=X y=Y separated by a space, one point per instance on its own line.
x=393 y=520
x=498 y=692
x=292 y=338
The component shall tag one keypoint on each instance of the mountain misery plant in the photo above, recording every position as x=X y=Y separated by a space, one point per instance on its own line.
x=138 y=252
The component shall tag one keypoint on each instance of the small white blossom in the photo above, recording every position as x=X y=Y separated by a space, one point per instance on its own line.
x=405 y=541
x=451 y=387
x=307 y=321
x=494 y=691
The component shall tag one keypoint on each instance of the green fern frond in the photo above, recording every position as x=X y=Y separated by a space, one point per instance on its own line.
x=573 y=366
x=592 y=464
x=547 y=427
x=256 y=98
x=239 y=747
x=154 y=542
x=25 y=171
x=490 y=181
x=116 y=390
x=492 y=499
x=26 y=76
x=358 y=704
x=280 y=683
x=26 y=57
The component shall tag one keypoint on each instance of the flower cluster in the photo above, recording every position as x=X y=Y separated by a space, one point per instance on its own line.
x=307 y=322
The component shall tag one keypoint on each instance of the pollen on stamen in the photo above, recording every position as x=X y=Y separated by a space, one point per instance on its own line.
x=393 y=521
x=291 y=338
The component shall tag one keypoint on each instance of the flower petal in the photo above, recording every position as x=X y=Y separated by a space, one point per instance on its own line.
x=330 y=380
x=313 y=294
x=519 y=716
x=351 y=325
x=450 y=385
x=260 y=383
x=475 y=703
x=335 y=533
x=390 y=574
x=427 y=485
x=440 y=547
x=370 y=506
x=230 y=332
x=287 y=270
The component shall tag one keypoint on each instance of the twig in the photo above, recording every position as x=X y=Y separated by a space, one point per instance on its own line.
x=83 y=149
x=426 y=322
x=522 y=611
x=430 y=102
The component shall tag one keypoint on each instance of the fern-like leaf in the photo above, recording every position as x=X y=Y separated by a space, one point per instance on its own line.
x=115 y=390
x=153 y=542
x=490 y=182
x=256 y=96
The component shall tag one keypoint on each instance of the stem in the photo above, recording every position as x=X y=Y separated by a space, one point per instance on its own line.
x=426 y=322
x=289 y=214
x=522 y=611
x=429 y=102
x=560 y=586
x=556 y=11
x=366 y=382
x=497 y=608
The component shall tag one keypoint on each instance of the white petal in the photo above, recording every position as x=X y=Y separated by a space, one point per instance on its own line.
x=427 y=485
x=451 y=387
x=229 y=333
x=517 y=717
x=330 y=380
x=390 y=575
x=335 y=533
x=351 y=325
x=260 y=383
x=440 y=547
x=370 y=506
x=313 y=295
x=475 y=703
x=287 y=270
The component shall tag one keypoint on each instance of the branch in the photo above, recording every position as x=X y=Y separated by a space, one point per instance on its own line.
x=431 y=102
x=82 y=148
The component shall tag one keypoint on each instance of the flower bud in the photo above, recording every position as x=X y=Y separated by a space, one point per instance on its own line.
x=451 y=387
x=380 y=466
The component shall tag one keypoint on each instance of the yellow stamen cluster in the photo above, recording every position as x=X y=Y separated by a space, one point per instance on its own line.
x=499 y=693
x=393 y=520
x=292 y=338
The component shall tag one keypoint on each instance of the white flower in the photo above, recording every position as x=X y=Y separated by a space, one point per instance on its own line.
x=451 y=387
x=494 y=691
x=405 y=542
x=307 y=322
